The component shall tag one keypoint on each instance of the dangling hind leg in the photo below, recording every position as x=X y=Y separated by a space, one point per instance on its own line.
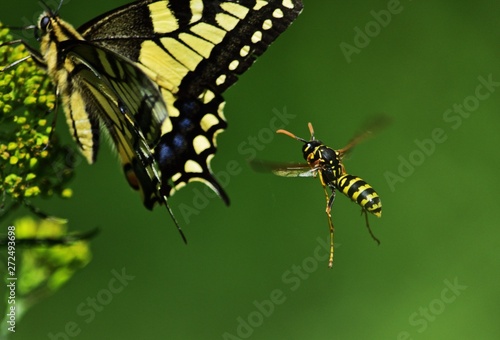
x=332 y=230
x=329 y=203
x=363 y=211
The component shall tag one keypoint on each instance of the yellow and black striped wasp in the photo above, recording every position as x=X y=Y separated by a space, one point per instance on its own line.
x=326 y=163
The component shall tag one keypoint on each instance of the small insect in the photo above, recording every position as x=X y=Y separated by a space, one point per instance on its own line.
x=326 y=163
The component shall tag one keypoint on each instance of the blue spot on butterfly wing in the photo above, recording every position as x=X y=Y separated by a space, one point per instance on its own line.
x=165 y=152
x=169 y=153
x=179 y=142
x=185 y=124
x=189 y=108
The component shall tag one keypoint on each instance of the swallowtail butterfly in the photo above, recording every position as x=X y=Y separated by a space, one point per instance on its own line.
x=151 y=74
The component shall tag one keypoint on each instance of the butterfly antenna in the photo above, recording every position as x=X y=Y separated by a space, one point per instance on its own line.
x=48 y=9
x=60 y=5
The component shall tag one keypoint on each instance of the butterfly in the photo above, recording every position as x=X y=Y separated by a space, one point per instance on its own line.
x=151 y=74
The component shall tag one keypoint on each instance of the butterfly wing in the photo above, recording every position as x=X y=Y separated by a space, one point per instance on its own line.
x=194 y=50
x=126 y=102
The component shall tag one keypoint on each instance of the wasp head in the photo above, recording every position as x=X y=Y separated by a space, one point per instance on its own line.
x=311 y=150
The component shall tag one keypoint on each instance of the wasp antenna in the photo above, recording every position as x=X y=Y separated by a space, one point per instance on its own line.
x=289 y=134
x=311 y=130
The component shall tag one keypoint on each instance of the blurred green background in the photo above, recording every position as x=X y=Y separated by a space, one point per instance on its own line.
x=258 y=269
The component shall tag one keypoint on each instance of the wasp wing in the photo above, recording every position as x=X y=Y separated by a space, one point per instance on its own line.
x=371 y=127
x=295 y=172
x=283 y=169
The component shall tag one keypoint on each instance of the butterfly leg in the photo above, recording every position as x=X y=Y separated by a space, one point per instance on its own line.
x=363 y=211
x=34 y=54
x=54 y=121
x=38 y=59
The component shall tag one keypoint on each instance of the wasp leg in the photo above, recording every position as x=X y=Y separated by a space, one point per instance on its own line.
x=329 y=203
x=363 y=211
x=332 y=229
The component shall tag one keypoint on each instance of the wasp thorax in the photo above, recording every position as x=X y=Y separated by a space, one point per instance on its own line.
x=328 y=154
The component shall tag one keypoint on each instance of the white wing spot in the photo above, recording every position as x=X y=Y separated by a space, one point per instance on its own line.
x=200 y=144
x=288 y=4
x=256 y=37
x=208 y=121
x=206 y=96
x=268 y=24
x=192 y=167
x=176 y=176
x=244 y=51
x=278 y=13
x=220 y=80
x=259 y=4
x=234 y=65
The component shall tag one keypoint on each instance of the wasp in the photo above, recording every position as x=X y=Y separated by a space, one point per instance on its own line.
x=326 y=163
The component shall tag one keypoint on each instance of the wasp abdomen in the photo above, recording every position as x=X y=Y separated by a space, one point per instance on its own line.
x=360 y=192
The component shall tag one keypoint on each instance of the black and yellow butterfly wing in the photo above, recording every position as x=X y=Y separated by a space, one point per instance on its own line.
x=194 y=51
x=114 y=93
x=151 y=75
